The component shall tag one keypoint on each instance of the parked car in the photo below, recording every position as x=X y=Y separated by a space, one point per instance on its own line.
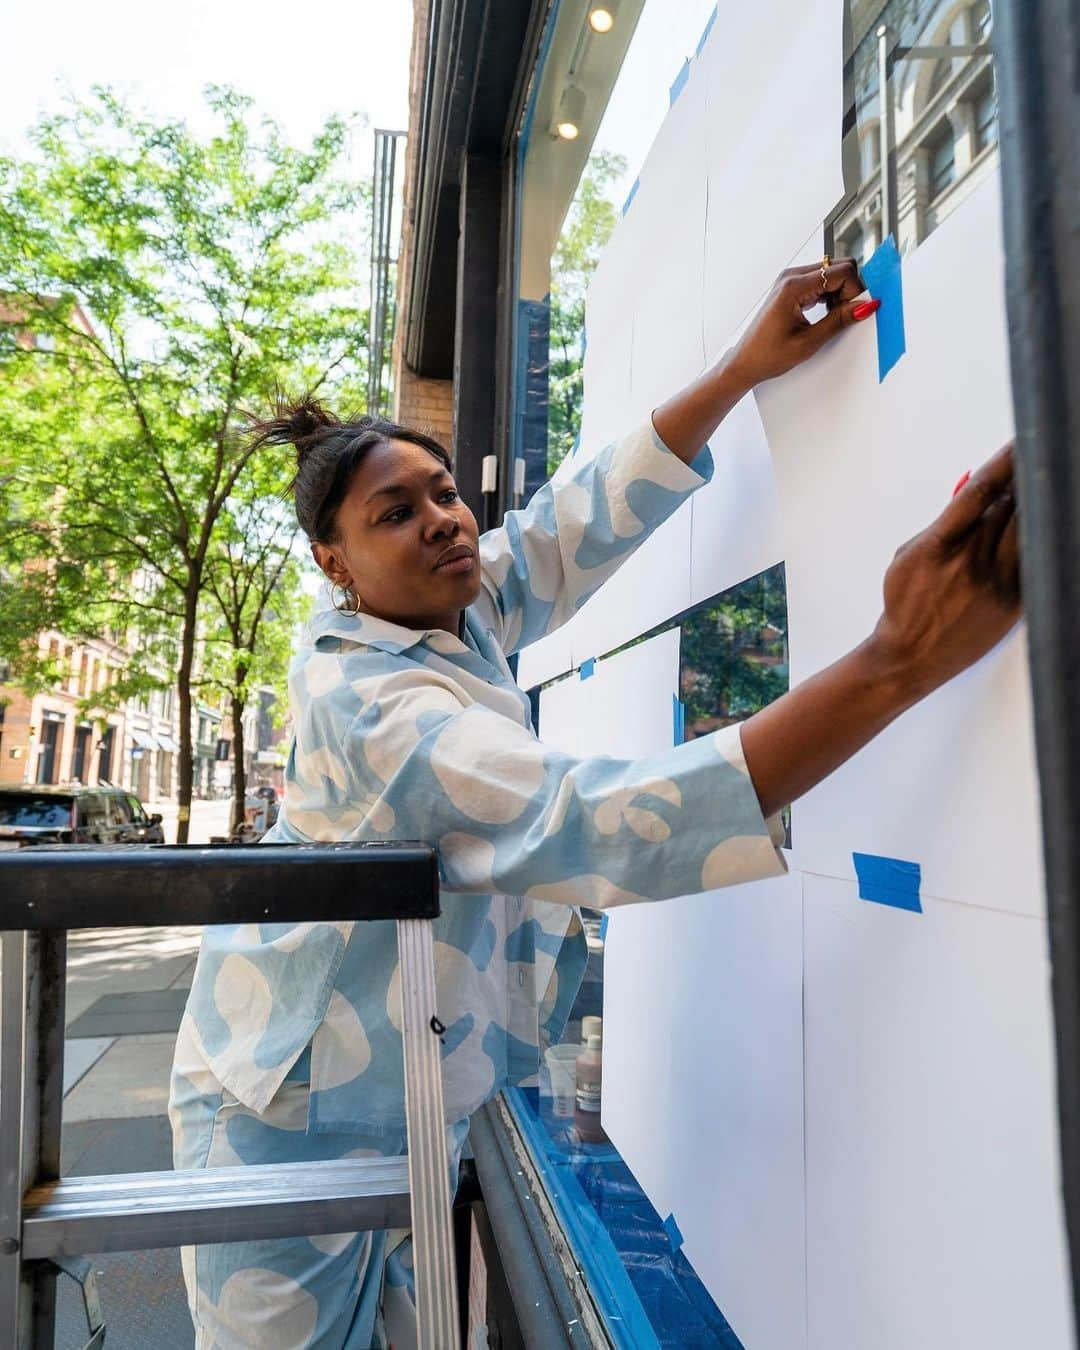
x=75 y=815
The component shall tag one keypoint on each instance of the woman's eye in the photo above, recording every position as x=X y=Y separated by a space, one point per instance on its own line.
x=398 y=514
x=450 y=495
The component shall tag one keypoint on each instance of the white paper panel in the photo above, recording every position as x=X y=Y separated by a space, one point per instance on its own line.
x=608 y=409
x=702 y=1034
x=667 y=295
x=545 y=660
x=772 y=72
x=703 y=1090
x=933 y=1214
x=952 y=785
x=624 y=708
x=735 y=531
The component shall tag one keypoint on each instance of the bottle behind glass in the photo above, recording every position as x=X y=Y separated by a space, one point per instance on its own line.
x=589 y=1077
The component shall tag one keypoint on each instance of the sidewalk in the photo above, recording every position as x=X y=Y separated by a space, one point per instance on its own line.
x=125 y=994
x=126 y=989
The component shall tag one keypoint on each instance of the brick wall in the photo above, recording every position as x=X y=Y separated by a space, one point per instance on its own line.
x=425 y=404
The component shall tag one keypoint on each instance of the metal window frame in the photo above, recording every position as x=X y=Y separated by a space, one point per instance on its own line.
x=1037 y=62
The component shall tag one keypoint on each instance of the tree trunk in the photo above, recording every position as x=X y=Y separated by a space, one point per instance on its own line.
x=183 y=688
x=239 y=774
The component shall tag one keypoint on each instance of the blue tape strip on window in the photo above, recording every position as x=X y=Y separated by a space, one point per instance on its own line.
x=707 y=30
x=679 y=83
x=678 y=718
x=603 y=928
x=631 y=195
x=584 y=341
x=883 y=281
x=671 y=1228
x=576 y=446
x=587 y=668
x=889 y=881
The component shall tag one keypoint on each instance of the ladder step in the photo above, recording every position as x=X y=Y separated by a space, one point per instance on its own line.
x=131 y=1211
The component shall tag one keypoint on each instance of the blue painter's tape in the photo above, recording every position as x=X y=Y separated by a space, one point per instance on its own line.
x=883 y=281
x=671 y=1228
x=584 y=341
x=577 y=444
x=678 y=719
x=679 y=83
x=603 y=928
x=631 y=195
x=618 y=1300
x=889 y=881
x=708 y=29
x=587 y=668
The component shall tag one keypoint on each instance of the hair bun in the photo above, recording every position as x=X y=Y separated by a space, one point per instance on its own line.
x=293 y=422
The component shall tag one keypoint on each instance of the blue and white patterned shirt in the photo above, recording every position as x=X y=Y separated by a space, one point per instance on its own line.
x=403 y=734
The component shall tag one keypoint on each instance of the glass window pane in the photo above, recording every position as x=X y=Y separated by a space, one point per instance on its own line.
x=924 y=89
x=612 y=91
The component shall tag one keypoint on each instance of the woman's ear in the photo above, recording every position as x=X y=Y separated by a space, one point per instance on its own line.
x=331 y=563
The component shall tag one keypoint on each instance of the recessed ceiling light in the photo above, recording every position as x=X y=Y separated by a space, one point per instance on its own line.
x=571 y=113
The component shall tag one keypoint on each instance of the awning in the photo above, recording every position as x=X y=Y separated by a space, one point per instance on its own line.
x=167 y=743
x=142 y=740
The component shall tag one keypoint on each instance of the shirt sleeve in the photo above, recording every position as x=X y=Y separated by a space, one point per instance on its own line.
x=542 y=563
x=510 y=814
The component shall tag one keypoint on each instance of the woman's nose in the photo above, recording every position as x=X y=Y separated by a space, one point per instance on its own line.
x=443 y=524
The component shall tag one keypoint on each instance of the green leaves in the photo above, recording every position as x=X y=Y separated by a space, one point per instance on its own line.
x=152 y=285
x=588 y=226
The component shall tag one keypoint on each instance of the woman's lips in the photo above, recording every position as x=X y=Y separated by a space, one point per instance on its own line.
x=458 y=560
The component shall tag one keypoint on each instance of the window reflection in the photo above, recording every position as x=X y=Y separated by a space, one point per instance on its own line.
x=944 y=119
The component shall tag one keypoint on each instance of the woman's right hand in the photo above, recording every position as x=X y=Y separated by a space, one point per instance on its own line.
x=953 y=592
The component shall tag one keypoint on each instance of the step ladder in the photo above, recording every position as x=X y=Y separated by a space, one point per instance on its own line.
x=50 y=1223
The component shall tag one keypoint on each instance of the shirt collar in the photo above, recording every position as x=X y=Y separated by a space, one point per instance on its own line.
x=366 y=630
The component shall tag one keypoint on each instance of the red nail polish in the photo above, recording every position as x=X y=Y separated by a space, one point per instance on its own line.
x=864 y=310
x=964 y=477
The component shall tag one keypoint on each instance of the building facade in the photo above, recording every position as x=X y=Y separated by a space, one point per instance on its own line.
x=60 y=735
x=944 y=111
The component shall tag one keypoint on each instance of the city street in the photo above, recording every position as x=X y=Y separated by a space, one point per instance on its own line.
x=208 y=818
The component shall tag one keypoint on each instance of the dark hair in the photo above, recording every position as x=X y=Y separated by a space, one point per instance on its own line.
x=328 y=452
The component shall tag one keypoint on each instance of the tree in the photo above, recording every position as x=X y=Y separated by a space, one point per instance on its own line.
x=734 y=653
x=587 y=228
x=253 y=583
x=211 y=271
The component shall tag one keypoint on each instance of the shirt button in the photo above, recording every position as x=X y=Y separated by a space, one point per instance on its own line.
x=521 y=979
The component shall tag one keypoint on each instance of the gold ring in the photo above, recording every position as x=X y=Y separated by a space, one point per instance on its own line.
x=826 y=263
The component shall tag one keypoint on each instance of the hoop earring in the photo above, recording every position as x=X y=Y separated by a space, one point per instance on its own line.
x=352 y=610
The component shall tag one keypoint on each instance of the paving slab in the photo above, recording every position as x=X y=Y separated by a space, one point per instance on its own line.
x=152 y=1010
x=130 y=1080
x=80 y=1056
x=126 y=960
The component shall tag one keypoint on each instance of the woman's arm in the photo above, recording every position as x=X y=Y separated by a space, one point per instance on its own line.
x=541 y=564
x=510 y=814
x=779 y=338
x=951 y=594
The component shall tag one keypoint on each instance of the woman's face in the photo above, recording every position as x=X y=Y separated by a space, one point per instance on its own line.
x=406 y=542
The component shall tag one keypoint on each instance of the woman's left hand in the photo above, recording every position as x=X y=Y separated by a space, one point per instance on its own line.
x=781 y=337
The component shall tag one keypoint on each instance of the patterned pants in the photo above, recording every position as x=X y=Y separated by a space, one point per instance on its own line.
x=341 y=1291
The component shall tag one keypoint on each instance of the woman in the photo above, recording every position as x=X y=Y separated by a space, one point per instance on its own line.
x=410 y=725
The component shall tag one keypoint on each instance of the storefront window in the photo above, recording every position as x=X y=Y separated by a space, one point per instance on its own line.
x=940 y=119
x=599 y=100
